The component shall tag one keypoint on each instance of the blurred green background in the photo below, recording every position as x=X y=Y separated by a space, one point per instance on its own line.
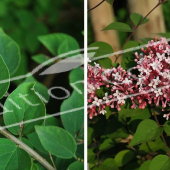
x=25 y=20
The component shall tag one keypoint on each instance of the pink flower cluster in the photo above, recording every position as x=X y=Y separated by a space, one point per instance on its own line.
x=117 y=83
x=150 y=86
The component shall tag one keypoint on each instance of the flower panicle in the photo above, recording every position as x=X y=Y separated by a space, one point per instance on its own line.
x=149 y=86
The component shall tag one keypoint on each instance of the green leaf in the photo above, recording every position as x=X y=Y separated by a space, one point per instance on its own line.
x=119 y=26
x=132 y=44
x=145 y=165
x=126 y=110
x=59 y=43
x=41 y=58
x=52 y=121
x=40 y=167
x=22 y=69
x=91 y=156
x=23 y=105
x=32 y=44
x=90 y=135
x=147 y=130
x=4 y=76
x=108 y=112
x=123 y=157
x=62 y=164
x=107 y=144
x=25 y=18
x=166 y=35
x=34 y=167
x=12 y=157
x=145 y=40
x=160 y=162
x=102 y=50
x=166 y=127
x=39 y=88
x=135 y=120
x=137 y=18
x=27 y=142
x=128 y=58
x=108 y=164
x=76 y=79
x=115 y=65
x=10 y=52
x=74 y=119
x=110 y=1
x=152 y=146
x=57 y=141
x=76 y=166
x=80 y=151
x=35 y=141
x=118 y=134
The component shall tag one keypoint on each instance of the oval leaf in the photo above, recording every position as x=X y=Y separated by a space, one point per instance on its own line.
x=137 y=18
x=147 y=130
x=123 y=157
x=109 y=164
x=166 y=127
x=73 y=120
x=10 y=52
x=145 y=165
x=23 y=105
x=160 y=162
x=119 y=26
x=57 y=141
x=107 y=144
x=59 y=43
x=102 y=50
x=76 y=166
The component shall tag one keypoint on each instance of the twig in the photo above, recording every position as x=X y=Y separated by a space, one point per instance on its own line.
x=127 y=40
x=96 y=6
x=30 y=151
x=52 y=161
x=78 y=159
x=162 y=136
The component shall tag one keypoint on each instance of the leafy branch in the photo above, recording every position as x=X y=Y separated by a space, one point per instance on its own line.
x=127 y=40
x=30 y=151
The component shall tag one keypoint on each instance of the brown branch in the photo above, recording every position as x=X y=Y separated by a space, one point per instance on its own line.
x=96 y=6
x=162 y=136
x=127 y=40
